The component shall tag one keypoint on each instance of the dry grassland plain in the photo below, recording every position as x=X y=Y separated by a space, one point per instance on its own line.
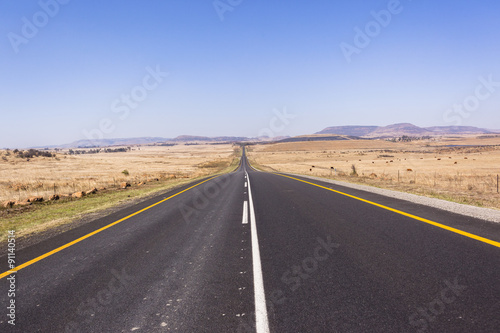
x=66 y=174
x=150 y=169
x=460 y=169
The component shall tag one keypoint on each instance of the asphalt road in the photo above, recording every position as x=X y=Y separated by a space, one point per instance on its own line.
x=253 y=251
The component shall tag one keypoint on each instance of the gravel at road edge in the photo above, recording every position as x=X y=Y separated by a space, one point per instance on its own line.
x=472 y=211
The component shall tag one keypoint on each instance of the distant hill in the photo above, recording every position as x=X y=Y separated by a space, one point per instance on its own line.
x=303 y=138
x=151 y=140
x=348 y=130
x=112 y=142
x=397 y=130
x=188 y=138
x=460 y=130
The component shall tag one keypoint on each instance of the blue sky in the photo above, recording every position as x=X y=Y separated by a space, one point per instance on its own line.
x=428 y=63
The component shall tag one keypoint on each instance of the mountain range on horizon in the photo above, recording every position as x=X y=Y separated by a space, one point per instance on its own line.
x=397 y=130
x=352 y=131
x=86 y=143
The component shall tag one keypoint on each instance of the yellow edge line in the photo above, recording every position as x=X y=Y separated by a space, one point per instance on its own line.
x=43 y=256
x=439 y=225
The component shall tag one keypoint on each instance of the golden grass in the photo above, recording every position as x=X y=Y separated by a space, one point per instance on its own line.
x=66 y=174
x=466 y=174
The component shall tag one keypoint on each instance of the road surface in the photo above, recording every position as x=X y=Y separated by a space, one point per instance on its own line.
x=259 y=252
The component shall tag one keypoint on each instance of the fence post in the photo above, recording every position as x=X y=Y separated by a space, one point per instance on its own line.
x=497 y=183
x=398 y=176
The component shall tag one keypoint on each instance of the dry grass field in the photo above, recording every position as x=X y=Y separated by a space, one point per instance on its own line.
x=65 y=174
x=461 y=169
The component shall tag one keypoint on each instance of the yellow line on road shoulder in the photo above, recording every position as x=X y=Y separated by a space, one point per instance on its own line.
x=43 y=256
x=439 y=225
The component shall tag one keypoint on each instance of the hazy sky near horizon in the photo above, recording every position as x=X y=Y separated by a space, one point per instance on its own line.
x=76 y=69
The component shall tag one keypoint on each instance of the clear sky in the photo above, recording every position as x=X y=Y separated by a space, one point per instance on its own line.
x=74 y=68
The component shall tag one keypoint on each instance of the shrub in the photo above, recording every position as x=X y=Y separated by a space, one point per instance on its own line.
x=125 y=172
x=354 y=172
x=32 y=153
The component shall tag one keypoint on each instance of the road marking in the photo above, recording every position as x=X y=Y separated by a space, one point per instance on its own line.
x=246 y=184
x=261 y=321
x=244 y=219
x=439 y=225
x=43 y=256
